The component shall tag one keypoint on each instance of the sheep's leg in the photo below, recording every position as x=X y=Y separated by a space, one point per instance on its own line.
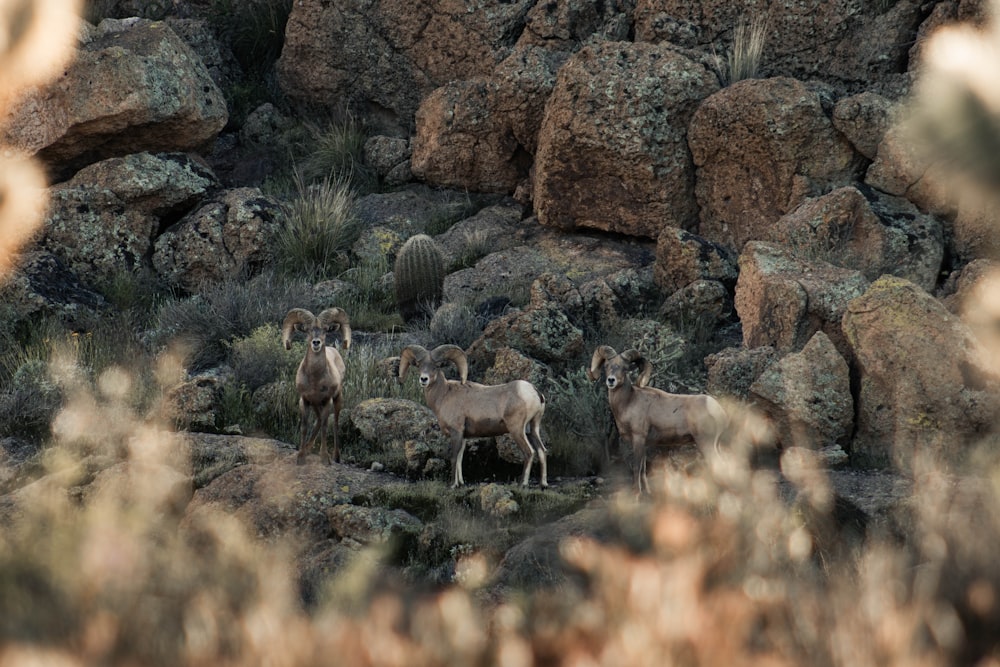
x=639 y=465
x=304 y=427
x=529 y=454
x=457 y=450
x=535 y=436
x=323 y=417
x=337 y=405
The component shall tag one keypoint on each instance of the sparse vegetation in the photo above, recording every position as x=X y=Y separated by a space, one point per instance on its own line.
x=747 y=51
x=321 y=228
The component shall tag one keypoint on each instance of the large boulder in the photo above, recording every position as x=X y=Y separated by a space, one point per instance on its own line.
x=229 y=235
x=383 y=58
x=925 y=386
x=683 y=258
x=481 y=134
x=612 y=149
x=860 y=228
x=782 y=299
x=43 y=284
x=761 y=147
x=902 y=168
x=850 y=44
x=134 y=86
x=807 y=396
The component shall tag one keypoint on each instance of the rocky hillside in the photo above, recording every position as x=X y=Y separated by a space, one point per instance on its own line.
x=740 y=191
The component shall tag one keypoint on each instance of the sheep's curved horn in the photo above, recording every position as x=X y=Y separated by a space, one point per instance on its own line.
x=635 y=357
x=601 y=354
x=336 y=319
x=411 y=354
x=295 y=318
x=455 y=355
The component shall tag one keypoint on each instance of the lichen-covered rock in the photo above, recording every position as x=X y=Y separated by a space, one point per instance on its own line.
x=702 y=305
x=543 y=333
x=497 y=501
x=193 y=404
x=732 y=371
x=849 y=44
x=372 y=525
x=612 y=149
x=864 y=119
x=133 y=86
x=761 y=147
x=509 y=365
x=903 y=169
x=43 y=284
x=282 y=498
x=925 y=386
x=857 y=227
x=389 y=56
x=390 y=158
x=398 y=424
x=230 y=235
x=782 y=299
x=683 y=257
x=807 y=396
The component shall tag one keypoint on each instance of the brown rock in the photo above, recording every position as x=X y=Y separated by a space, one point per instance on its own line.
x=761 y=147
x=807 y=396
x=903 y=169
x=383 y=58
x=134 y=86
x=683 y=257
x=925 y=388
x=612 y=149
x=851 y=45
x=866 y=230
x=732 y=371
x=480 y=134
x=782 y=300
x=864 y=119
x=226 y=237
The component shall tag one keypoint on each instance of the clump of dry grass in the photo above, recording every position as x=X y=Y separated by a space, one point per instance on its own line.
x=747 y=51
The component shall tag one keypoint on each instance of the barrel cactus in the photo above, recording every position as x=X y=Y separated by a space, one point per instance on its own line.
x=419 y=273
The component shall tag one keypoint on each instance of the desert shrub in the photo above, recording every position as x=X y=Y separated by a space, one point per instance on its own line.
x=577 y=426
x=372 y=305
x=261 y=358
x=206 y=323
x=457 y=324
x=321 y=227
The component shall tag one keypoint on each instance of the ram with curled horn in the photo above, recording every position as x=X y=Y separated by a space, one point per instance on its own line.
x=470 y=410
x=647 y=416
x=319 y=379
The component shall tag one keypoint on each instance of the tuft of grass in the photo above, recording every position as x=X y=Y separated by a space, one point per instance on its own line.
x=255 y=30
x=747 y=52
x=335 y=151
x=322 y=226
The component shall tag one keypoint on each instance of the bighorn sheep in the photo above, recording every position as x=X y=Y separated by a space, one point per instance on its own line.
x=320 y=377
x=647 y=416
x=471 y=410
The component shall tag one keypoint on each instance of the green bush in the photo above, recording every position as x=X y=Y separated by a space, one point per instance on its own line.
x=372 y=304
x=261 y=358
x=204 y=325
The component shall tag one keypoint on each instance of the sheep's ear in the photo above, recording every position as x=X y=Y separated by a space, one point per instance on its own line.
x=455 y=355
x=601 y=355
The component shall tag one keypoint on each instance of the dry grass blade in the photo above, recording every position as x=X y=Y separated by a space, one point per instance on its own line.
x=749 y=39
